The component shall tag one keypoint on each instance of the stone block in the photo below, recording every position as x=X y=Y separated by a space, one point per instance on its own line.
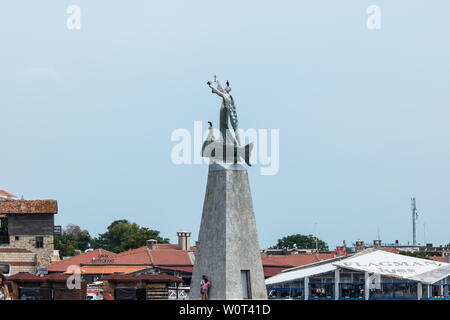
x=228 y=242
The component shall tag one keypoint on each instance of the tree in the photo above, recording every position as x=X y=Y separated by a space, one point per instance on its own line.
x=123 y=235
x=418 y=254
x=301 y=241
x=72 y=238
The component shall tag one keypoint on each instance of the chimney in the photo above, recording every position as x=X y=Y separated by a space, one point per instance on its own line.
x=377 y=244
x=446 y=254
x=359 y=245
x=151 y=244
x=184 y=240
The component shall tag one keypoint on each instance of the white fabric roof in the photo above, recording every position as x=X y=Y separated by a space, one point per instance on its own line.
x=375 y=261
x=396 y=265
x=433 y=276
x=300 y=273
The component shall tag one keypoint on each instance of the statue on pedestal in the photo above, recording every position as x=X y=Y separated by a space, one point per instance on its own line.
x=227 y=250
x=228 y=147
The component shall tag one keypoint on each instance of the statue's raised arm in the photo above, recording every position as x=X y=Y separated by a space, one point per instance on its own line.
x=228 y=112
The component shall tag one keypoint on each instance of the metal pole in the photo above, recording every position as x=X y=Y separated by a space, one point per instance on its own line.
x=336 y=284
x=419 y=290
x=306 y=290
x=366 y=286
x=414 y=213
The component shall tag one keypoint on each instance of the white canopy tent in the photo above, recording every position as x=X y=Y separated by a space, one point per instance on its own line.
x=300 y=274
x=396 y=265
x=370 y=262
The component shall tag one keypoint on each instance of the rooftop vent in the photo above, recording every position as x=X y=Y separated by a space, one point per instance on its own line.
x=151 y=244
x=184 y=240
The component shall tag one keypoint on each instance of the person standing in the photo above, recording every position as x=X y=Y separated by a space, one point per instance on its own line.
x=4 y=292
x=206 y=284
x=201 y=287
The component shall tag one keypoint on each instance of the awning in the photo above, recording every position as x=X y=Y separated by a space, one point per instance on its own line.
x=300 y=273
x=374 y=261
x=396 y=265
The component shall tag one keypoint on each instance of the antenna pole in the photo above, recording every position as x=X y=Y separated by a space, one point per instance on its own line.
x=315 y=231
x=414 y=217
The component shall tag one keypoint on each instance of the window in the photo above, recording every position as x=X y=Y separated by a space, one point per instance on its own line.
x=17 y=238
x=39 y=242
x=245 y=278
x=5 y=268
x=4 y=237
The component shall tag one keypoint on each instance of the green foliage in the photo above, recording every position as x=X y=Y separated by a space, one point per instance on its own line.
x=302 y=242
x=418 y=254
x=123 y=235
x=72 y=238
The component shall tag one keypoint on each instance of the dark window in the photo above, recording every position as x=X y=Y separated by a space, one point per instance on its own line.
x=125 y=293
x=17 y=238
x=4 y=237
x=245 y=278
x=39 y=242
x=4 y=268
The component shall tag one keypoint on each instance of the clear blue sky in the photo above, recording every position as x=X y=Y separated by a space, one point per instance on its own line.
x=86 y=115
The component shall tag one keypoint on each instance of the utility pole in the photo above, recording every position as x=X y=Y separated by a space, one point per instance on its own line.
x=315 y=234
x=414 y=218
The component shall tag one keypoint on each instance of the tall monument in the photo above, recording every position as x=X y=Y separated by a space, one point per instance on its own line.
x=228 y=253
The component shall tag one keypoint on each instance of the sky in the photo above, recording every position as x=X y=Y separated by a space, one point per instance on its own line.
x=87 y=114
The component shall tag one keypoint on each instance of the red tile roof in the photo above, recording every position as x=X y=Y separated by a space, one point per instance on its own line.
x=271 y=271
x=86 y=258
x=392 y=250
x=437 y=258
x=56 y=277
x=165 y=254
x=24 y=277
x=294 y=260
x=178 y=268
x=119 y=278
x=110 y=269
x=170 y=257
x=139 y=256
x=28 y=206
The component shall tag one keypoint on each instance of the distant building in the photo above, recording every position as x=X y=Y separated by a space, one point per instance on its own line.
x=26 y=234
x=173 y=259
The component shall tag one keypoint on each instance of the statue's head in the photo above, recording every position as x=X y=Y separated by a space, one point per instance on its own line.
x=228 y=89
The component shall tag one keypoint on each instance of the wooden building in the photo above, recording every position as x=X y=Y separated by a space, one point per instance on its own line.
x=26 y=286
x=26 y=225
x=143 y=287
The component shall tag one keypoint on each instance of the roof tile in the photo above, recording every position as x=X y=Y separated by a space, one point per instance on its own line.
x=28 y=206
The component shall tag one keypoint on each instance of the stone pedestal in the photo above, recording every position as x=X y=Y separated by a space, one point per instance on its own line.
x=228 y=250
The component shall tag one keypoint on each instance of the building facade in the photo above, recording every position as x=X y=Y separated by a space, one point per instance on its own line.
x=26 y=234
